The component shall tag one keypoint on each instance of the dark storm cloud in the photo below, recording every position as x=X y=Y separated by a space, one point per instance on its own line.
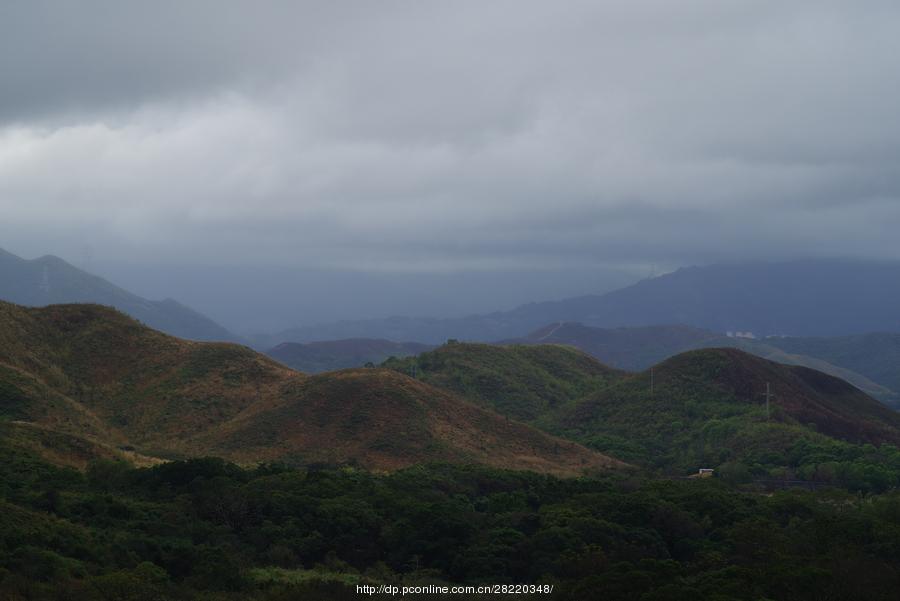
x=451 y=135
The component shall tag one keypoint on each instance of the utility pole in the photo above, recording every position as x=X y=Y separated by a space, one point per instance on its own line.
x=769 y=395
x=651 y=381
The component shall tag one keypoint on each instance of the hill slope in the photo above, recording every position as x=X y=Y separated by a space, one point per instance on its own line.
x=142 y=385
x=708 y=406
x=50 y=280
x=329 y=355
x=705 y=408
x=385 y=420
x=91 y=371
x=875 y=355
x=871 y=362
x=523 y=382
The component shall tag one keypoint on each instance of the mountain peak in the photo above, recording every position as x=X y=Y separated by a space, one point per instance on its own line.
x=52 y=280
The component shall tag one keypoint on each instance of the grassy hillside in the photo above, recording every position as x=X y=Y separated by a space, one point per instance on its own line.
x=330 y=355
x=64 y=449
x=144 y=386
x=523 y=382
x=871 y=363
x=90 y=371
x=50 y=280
x=384 y=420
x=875 y=355
x=707 y=408
x=765 y=349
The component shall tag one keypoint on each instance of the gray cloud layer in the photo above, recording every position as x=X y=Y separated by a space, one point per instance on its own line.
x=451 y=135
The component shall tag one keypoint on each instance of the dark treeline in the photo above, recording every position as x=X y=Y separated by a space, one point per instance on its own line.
x=207 y=529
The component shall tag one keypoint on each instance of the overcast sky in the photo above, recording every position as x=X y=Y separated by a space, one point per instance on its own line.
x=450 y=137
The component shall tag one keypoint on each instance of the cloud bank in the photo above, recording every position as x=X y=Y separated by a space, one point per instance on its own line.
x=422 y=136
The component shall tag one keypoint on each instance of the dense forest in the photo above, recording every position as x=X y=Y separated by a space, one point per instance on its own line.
x=207 y=529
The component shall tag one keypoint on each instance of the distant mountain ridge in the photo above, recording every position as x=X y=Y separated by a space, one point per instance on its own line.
x=329 y=355
x=798 y=298
x=50 y=280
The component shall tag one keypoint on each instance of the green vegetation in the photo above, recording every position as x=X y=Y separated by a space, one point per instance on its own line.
x=78 y=523
x=207 y=529
x=522 y=382
x=706 y=410
x=93 y=372
x=871 y=362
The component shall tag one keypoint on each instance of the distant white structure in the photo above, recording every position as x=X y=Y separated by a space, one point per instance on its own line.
x=703 y=472
x=747 y=334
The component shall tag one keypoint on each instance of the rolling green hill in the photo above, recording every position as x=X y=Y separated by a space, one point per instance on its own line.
x=706 y=407
x=91 y=371
x=870 y=362
x=523 y=382
x=143 y=386
x=50 y=280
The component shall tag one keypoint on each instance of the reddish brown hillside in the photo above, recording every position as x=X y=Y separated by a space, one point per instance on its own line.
x=830 y=404
x=150 y=387
x=385 y=420
x=93 y=372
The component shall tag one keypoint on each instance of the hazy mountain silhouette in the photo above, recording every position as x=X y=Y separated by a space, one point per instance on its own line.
x=49 y=280
x=799 y=298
